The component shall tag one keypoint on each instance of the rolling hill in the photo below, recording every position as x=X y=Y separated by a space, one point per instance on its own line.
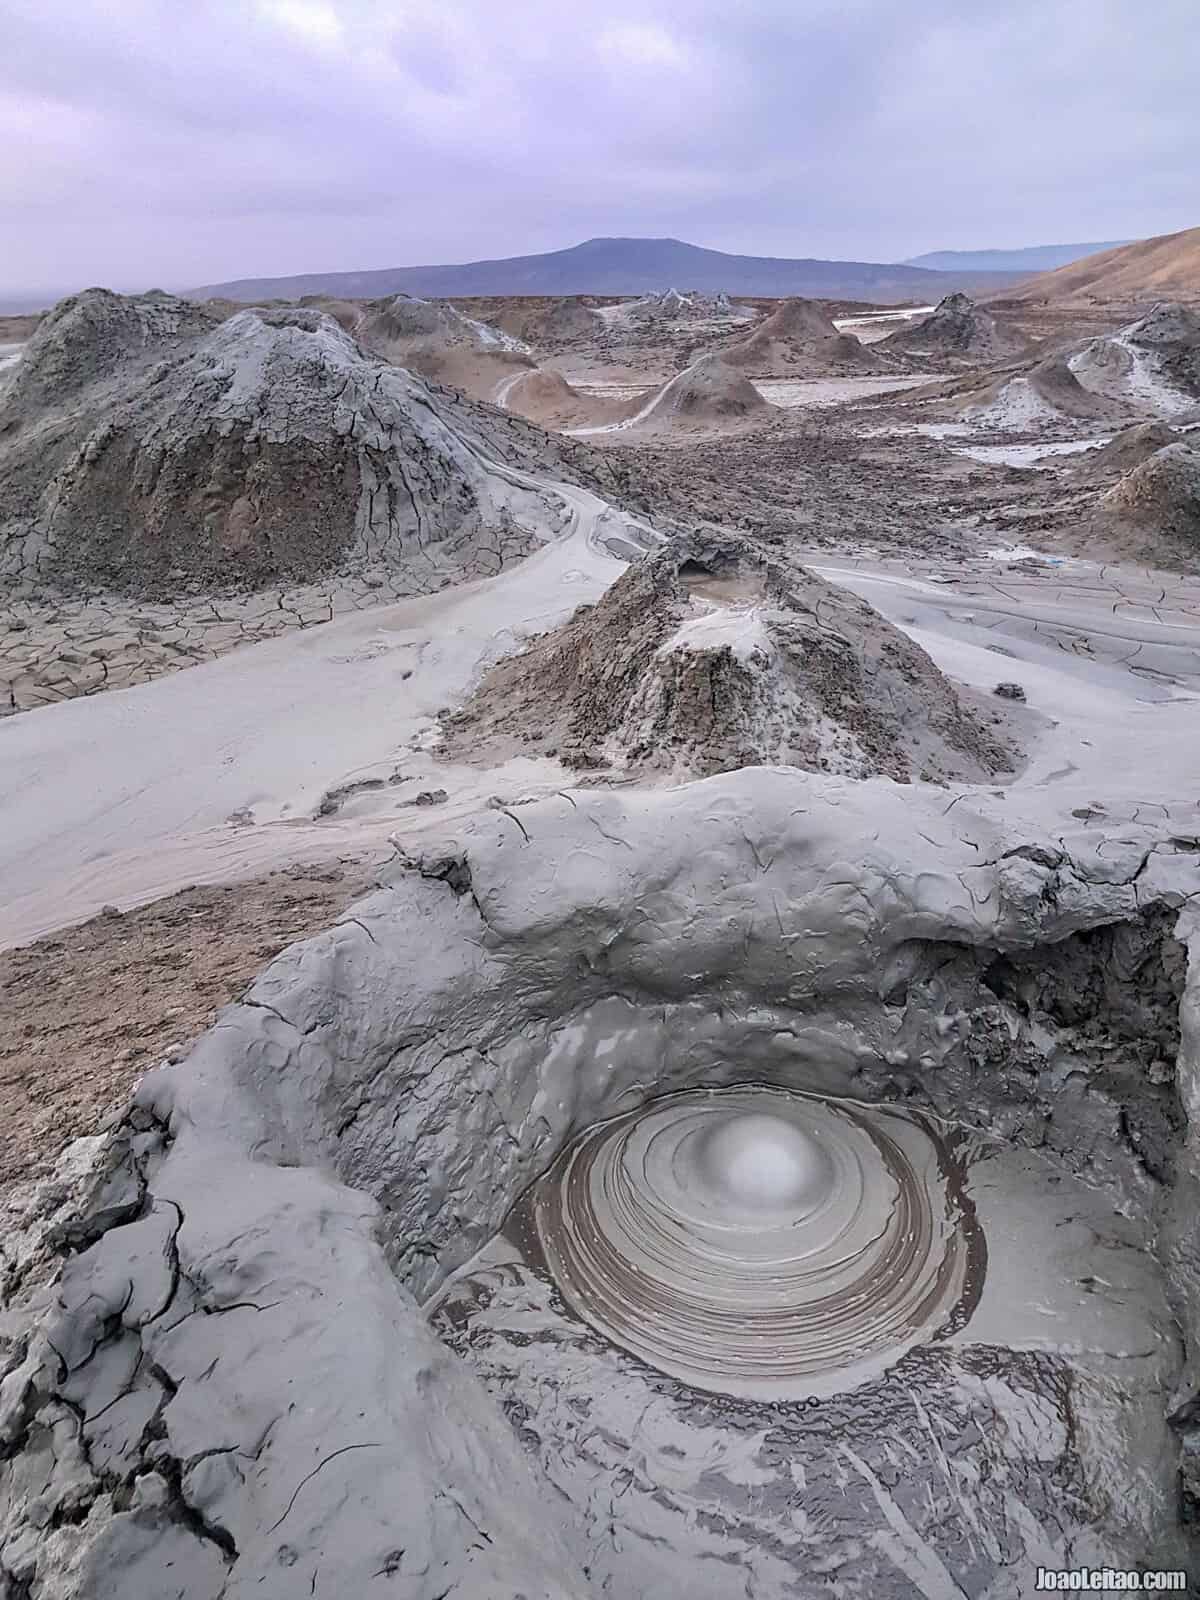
x=1031 y=258
x=1163 y=268
x=627 y=267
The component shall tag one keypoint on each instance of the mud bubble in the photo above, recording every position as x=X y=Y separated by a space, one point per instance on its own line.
x=761 y=1243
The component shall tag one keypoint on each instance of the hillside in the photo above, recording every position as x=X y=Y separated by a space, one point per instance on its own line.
x=627 y=267
x=1166 y=267
x=1031 y=258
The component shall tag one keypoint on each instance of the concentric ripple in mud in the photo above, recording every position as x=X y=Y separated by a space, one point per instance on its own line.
x=757 y=1242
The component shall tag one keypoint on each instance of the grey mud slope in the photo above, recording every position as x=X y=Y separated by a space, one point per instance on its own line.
x=359 y=1126
x=100 y=810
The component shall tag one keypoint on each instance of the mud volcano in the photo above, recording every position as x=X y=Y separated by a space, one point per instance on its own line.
x=300 y=1346
x=755 y=1242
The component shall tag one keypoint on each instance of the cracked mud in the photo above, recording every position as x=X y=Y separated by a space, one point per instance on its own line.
x=747 y=1141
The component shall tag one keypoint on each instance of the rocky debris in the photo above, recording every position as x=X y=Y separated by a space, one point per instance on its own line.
x=956 y=330
x=799 y=340
x=707 y=657
x=333 y=800
x=144 y=450
x=428 y=797
x=358 y=1126
x=1161 y=496
x=674 y=305
x=1009 y=691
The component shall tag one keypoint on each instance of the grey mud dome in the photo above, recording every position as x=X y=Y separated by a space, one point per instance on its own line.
x=757 y=1243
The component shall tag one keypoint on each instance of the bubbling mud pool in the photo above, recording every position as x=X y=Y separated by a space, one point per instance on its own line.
x=768 y=1341
x=760 y=1243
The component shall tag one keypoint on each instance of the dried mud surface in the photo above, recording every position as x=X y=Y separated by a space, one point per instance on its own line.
x=85 y=1013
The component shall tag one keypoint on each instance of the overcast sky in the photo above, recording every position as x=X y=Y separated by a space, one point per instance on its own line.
x=178 y=142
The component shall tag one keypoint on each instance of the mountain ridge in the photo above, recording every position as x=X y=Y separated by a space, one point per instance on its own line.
x=1024 y=258
x=625 y=266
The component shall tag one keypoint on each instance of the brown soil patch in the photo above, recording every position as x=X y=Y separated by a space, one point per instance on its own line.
x=85 y=1012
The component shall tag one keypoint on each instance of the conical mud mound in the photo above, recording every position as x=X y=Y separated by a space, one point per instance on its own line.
x=1151 y=367
x=562 y=321
x=1127 y=449
x=545 y=397
x=957 y=329
x=1161 y=496
x=799 y=340
x=146 y=451
x=710 y=390
x=707 y=657
x=1047 y=393
x=94 y=337
x=439 y=342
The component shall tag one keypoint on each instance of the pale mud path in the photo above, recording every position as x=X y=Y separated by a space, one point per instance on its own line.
x=504 y=388
x=873 y=326
x=216 y=774
x=1108 y=657
x=790 y=392
x=218 y=771
x=786 y=393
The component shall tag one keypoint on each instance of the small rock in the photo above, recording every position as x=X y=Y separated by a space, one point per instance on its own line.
x=110 y=911
x=429 y=797
x=150 y=1491
x=1009 y=691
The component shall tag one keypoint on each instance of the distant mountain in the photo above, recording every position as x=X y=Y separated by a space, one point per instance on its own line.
x=1033 y=258
x=1163 y=268
x=627 y=267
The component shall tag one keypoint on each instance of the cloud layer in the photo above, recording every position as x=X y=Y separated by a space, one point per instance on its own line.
x=149 y=142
